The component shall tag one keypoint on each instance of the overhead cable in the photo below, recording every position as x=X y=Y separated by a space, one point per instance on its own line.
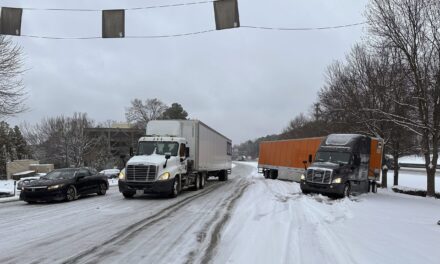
x=197 y=32
x=126 y=9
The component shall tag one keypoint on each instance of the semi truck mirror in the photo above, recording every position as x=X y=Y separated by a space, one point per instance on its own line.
x=131 y=152
x=357 y=160
x=310 y=158
x=305 y=164
x=167 y=155
x=187 y=152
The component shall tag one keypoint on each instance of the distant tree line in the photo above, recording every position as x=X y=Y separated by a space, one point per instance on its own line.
x=63 y=141
x=388 y=86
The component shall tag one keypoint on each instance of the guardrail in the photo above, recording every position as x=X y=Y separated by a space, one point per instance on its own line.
x=414 y=165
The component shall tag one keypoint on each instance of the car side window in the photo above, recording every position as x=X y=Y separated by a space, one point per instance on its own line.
x=84 y=172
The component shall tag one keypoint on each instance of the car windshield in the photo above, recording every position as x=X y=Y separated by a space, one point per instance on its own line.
x=334 y=157
x=60 y=174
x=160 y=148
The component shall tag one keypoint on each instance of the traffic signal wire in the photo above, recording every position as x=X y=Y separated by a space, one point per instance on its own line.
x=201 y=32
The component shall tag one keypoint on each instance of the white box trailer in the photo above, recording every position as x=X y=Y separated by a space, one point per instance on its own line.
x=176 y=154
x=210 y=150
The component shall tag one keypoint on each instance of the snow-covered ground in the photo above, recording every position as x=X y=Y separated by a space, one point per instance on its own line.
x=247 y=219
x=274 y=223
x=413 y=178
x=412 y=159
x=7 y=186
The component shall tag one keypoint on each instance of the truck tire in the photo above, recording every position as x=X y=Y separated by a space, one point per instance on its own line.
x=197 y=182
x=273 y=174
x=266 y=174
x=347 y=190
x=176 y=187
x=202 y=179
x=128 y=195
x=373 y=187
x=223 y=175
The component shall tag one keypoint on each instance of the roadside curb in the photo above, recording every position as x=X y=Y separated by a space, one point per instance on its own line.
x=9 y=199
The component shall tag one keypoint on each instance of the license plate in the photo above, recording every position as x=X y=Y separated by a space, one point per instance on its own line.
x=139 y=192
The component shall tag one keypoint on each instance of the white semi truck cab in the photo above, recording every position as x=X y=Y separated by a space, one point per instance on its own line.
x=175 y=154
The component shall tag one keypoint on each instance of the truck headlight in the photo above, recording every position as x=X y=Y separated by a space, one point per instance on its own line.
x=303 y=178
x=122 y=175
x=164 y=176
x=54 y=187
x=337 y=180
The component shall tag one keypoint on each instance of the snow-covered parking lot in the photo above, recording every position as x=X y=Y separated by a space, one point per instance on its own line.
x=245 y=220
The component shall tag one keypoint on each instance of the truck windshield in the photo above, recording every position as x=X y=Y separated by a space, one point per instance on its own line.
x=334 y=157
x=161 y=148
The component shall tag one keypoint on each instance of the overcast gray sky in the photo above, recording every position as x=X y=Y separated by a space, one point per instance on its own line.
x=245 y=83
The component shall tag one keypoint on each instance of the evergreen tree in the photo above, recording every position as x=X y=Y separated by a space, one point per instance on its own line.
x=176 y=111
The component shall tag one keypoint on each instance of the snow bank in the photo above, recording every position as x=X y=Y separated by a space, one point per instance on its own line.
x=413 y=178
x=412 y=159
x=113 y=182
x=7 y=186
x=275 y=223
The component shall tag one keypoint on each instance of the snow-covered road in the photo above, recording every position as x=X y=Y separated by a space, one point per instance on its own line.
x=245 y=220
x=112 y=229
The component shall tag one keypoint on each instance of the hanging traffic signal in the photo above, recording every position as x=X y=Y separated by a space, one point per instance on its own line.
x=226 y=14
x=113 y=23
x=10 y=21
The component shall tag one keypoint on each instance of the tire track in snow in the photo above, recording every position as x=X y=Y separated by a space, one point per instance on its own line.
x=210 y=246
x=128 y=233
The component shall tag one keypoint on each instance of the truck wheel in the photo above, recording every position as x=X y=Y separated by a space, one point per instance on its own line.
x=128 y=195
x=202 y=179
x=176 y=187
x=197 y=182
x=273 y=174
x=347 y=190
x=223 y=175
x=266 y=174
x=373 y=187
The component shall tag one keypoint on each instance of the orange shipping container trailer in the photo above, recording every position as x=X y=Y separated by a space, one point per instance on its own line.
x=285 y=158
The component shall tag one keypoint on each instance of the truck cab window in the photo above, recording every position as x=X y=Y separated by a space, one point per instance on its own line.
x=158 y=147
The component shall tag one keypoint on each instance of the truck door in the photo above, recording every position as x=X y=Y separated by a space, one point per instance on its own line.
x=183 y=158
x=364 y=152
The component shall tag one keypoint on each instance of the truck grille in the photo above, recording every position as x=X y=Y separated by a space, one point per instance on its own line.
x=319 y=176
x=141 y=173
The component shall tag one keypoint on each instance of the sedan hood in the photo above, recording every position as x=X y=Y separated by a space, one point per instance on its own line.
x=44 y=182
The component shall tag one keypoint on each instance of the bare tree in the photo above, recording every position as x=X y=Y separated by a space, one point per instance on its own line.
x=358 y=92
x=140 y=113
x=11 y=85
x=412 y=28
x=62 y=140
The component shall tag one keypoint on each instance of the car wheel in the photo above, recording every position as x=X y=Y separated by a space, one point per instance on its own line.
x=102 y=189
x=71 y=193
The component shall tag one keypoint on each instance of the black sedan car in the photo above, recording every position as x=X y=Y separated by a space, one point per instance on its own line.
x=64 y=184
